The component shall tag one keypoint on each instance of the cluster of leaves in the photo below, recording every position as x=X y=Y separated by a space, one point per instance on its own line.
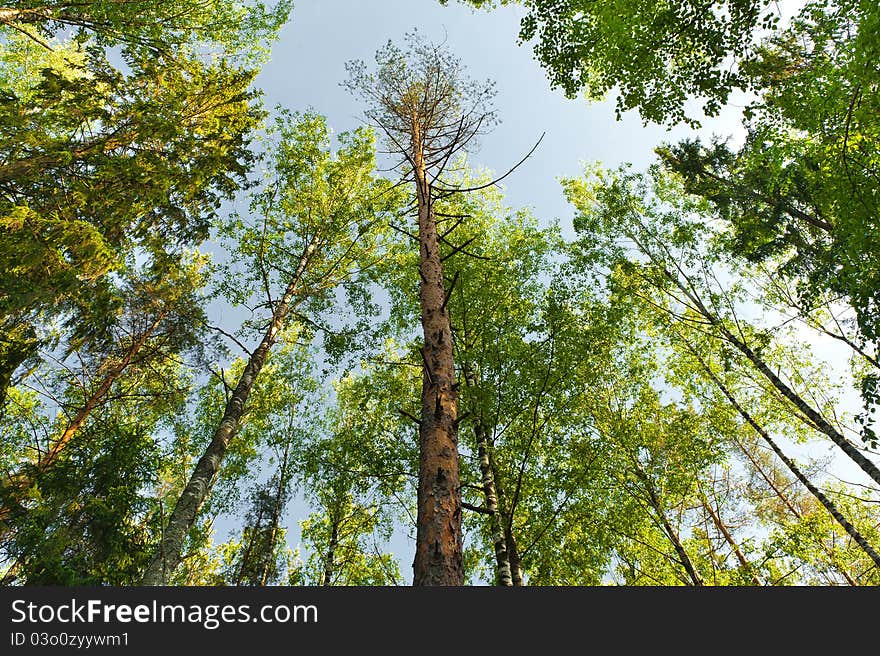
x=627 y=399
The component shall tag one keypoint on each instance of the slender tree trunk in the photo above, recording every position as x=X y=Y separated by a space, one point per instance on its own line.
x=734 y=547
x=168 y=554
x=11 y=574
x=23 y=479
x=330 y=556
x=245 y=558
x=814 y=418
x=276 y=510
x=817 y=420
x=794 y=469
x=502 y=562
x=516 y=575
x=95 y=398
x=438 y=557
x=671 y=533
x=790 y=506
x=758 y=468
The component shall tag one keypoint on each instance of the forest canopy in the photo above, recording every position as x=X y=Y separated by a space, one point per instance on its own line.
x=219 y=313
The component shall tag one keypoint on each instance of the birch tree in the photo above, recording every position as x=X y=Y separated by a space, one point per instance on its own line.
x=683 y=276
x=319 y=223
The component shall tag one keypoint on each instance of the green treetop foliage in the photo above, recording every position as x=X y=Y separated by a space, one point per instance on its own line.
x=98 y=164
x=82 y=436
x=660 y=242
x=654 y=56
x=154 y=323
x=99 y=169
x=151 y=28
x=352 y=472
x=105 y=161
x=800 y=196
x=627 y=405
x=694 y=293
x=309 y=248
x=318 y=227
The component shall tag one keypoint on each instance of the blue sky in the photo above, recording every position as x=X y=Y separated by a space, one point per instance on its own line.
x=308 y=65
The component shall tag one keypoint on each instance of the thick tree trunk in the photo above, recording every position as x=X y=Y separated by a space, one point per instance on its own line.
x=794 y=469
x=168 y=554
x=734 y=547
x=438 y=557
x=23 y=479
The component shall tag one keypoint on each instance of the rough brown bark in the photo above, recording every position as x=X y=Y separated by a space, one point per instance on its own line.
x=438 y=558
x=168 y=554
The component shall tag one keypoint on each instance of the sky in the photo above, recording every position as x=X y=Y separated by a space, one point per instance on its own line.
x=308 y=64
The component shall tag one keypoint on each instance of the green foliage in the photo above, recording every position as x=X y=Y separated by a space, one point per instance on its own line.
x=620 y=423
x=654 y=56
x=319 y=223
x=154 y=28
x=87 y=519
x=115 y=395
x=800 y=196
x=101 y=169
